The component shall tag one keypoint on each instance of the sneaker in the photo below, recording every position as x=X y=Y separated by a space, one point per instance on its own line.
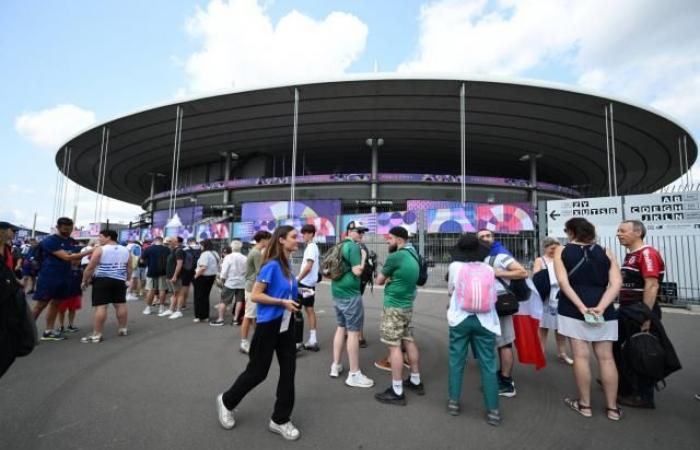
x=52 y=335
x=363 y=343
x=245 y=347
x=165 y=313
x=216 y=323
x=390 y=397
x=300 y=347
x=506 y=388
x=312 y=347
x=453 y=407
x=72 y=329
x=92 y=338
x=131 y=298
x=336 y=370
x=226 y=417
x=493 y=417
x=123 y=332
x=287 y=430
x=359 y=380
x=236 y=323
x=196 y=320
x=147 y=311
x=417 y=388
x=383 y=364
x=175 y=315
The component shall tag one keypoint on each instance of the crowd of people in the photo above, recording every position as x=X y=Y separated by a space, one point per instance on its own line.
x=578 y=283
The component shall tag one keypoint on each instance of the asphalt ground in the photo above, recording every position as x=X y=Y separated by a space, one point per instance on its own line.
x=155 y=389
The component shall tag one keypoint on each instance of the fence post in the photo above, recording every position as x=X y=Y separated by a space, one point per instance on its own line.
x=421 y=232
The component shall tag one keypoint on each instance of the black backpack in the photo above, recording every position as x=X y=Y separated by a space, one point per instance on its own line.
x=519 y=288
x=646 y=356
x=18 y=335
x=370 y=269
x=422 y=268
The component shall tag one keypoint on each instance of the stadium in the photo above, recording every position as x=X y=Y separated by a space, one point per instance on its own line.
x=377 y=143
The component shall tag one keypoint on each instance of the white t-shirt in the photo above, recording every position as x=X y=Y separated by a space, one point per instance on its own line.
x=233 y=271
x=501 y=262
x=455 y=314
x=311 y=253
x=209 y=260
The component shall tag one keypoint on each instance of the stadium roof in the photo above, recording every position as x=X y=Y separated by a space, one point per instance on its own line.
x=419 y=120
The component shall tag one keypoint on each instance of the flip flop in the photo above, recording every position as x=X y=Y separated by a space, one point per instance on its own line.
x=574 y=404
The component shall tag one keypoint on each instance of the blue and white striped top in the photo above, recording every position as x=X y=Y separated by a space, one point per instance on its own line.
x=113 y=262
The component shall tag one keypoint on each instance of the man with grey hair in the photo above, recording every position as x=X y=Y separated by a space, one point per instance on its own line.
x=642 y=273
x=232 y=277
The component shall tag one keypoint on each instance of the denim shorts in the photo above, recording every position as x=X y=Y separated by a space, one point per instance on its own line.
x=350 y=314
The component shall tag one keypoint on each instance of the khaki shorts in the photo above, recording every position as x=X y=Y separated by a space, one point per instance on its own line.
x=251 y=308
x=395 y=326
x=156 y=284
x=174 y=287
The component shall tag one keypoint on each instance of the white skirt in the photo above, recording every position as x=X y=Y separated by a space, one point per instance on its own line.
x=579 y=329
x=549 y=313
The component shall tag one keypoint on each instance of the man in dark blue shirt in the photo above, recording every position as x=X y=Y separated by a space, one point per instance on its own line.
x=53 y=285
x=155 y=257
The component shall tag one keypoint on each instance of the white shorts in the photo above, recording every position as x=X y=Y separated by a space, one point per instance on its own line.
x=507 y=332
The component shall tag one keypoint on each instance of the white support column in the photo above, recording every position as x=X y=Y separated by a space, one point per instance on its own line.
x=463 y=142
x=290 y=212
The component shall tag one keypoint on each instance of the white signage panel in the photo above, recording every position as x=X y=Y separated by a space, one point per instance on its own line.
x=666 y=214
x=603 y=212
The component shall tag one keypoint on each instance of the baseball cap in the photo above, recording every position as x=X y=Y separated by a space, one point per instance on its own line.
x=8 y=226
x=399 y=232
x=356 y=225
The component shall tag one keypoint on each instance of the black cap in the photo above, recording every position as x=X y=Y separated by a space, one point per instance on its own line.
x=469 y=249
x=399 y=232
x=8 y=226
x=356 y=225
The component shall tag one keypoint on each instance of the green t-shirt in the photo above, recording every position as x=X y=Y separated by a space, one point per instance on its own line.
x=349 y=284
x=402 y=267
x=252 y=267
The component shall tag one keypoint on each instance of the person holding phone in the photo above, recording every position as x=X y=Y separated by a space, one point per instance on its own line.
x=275 y=292
x=589 y=280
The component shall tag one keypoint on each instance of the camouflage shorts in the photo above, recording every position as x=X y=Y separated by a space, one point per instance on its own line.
x=395 y=326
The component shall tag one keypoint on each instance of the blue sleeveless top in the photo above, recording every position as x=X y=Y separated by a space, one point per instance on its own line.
x=589 y=281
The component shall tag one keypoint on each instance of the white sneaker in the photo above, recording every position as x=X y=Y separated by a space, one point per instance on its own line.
x=226 y=417
x=123 y=332
x=147 y=311
x=336 y=370
x=165 y=313
x=245 y=347
x=359 y=380
x=287 y=430
x=131 y=297
x=175 y=315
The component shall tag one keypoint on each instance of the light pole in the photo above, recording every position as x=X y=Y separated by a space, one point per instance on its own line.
x=374 y=144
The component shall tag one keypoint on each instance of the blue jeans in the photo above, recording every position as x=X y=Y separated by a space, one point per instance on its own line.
x=350 y=313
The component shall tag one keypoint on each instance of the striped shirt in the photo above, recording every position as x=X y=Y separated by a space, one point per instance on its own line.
x=645 y=262
x=113 y=262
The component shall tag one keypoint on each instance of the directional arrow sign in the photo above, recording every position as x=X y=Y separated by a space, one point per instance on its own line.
x=554 y=214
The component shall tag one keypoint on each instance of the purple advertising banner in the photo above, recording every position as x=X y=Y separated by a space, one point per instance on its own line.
x=256 y=211
x=365 y=178
x=130 y=235
x=506 y=219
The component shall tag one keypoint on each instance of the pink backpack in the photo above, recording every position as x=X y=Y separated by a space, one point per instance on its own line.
x=476 y=287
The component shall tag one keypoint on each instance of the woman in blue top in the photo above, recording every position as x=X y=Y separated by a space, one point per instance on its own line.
x=589 y=279
x=275 y=292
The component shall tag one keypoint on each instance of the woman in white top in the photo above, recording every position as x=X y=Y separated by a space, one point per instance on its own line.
x=478 y=329
x=549 y=310
x=204 y=276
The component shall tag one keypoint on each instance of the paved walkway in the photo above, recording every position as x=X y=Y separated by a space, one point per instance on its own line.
x=155 y=389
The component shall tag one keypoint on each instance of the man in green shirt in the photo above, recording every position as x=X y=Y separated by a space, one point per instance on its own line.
x=261 y=238
x=400 y=274
x=349 y=310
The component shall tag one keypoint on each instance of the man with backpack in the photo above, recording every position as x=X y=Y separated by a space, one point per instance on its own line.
x=506 y=269
x=155 y=257
x=642 y=272
x=400 y=274
x=344 y=265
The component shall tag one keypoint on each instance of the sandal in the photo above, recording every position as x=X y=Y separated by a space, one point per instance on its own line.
x=617 y=411
x=564 y=358
x=574 y=404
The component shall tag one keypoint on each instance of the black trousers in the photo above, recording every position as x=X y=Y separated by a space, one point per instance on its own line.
x=267 y=340
x=202 y=288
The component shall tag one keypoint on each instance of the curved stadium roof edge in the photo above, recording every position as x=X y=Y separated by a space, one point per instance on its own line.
x=415 y=113
x=386 y=76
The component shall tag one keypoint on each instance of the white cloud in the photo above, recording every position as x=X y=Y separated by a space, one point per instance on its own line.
x=241 y=47
x=49 y=128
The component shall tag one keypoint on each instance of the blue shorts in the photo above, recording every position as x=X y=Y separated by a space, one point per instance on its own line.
x=50 y=288
x=350 y=314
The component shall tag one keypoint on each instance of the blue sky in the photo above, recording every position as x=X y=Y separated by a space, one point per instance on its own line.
x=109 y=57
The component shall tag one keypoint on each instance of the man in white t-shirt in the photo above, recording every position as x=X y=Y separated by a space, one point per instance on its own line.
x=506 y=268
x=308 y=279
